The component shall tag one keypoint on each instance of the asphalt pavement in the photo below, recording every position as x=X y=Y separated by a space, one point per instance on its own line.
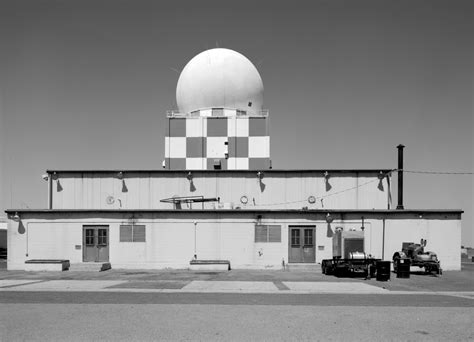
x=240 y=281
x=237 y=305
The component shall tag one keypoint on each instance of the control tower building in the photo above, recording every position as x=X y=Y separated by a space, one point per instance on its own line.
x=220 y=122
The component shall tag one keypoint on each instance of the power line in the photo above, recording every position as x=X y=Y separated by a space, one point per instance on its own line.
x=363 y=184
x=436 y=172
x=321 y=197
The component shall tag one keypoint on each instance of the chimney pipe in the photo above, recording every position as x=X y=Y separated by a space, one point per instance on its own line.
x=400 y=176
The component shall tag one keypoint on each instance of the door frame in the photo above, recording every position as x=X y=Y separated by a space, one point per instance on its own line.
x=96 y=228
x=303 y=227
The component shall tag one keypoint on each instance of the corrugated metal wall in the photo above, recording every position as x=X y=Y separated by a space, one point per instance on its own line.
x=275 y=190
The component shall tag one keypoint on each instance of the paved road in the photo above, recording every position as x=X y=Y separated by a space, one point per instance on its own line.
x=209 y=322
x=68 y=315
x=236 y=306
x=358 y=300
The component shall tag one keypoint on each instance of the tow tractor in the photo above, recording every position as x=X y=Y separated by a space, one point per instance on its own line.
x=415 y=254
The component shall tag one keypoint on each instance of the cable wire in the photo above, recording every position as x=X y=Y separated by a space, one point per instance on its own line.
x=437 y=172
x=320 y=197
x=366 y=183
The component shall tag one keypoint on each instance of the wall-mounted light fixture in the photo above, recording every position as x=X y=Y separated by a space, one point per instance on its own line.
x=259 y=175
x=120 y=176
x=16 y=217
x=189 y=176
x=329 y=218
x=55 y=177
x=326 y=180
x=381 y=176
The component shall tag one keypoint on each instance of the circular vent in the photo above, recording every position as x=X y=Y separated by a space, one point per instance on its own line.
x=110 y=200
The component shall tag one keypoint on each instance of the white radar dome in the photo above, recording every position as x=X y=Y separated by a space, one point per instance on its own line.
x=218 y=78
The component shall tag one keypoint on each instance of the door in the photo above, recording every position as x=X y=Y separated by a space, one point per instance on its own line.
x=301 y=244
x=95 y=243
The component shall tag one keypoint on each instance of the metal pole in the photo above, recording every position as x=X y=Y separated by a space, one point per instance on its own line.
x=195 y=230
x=50 y=191
x=383 y=238
x=400 y=176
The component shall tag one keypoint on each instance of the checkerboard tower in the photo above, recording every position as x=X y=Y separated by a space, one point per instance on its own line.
x=220 y=122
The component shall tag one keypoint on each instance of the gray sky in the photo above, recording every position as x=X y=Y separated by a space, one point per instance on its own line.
x=86 y=84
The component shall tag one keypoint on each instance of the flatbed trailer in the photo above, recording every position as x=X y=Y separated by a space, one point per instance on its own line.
x=349 y=267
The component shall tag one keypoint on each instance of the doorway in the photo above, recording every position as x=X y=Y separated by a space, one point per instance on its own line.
x=301 y=244
x=95 y=243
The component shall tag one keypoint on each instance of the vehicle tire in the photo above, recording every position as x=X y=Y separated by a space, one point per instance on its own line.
x=340 y=272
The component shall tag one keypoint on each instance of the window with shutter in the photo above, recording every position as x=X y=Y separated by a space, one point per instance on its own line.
x=139 y=233
x=267 y=233
x=132 y=233
x=274 y=233
x=261 y=233
x=126 y=233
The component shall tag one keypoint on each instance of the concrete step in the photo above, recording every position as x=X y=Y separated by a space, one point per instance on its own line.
x=91 y=266
x=304 y=267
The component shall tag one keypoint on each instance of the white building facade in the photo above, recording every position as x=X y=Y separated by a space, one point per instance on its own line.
x=218 y=198
x=256 y=219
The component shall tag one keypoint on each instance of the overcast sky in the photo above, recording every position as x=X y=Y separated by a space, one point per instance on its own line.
x=86 y=84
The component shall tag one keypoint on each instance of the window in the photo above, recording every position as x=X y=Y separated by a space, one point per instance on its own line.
x=295 y=238
x=132 y=233
x=89 y=237
x=308 y=237
x=102 y=237
x=267 y=233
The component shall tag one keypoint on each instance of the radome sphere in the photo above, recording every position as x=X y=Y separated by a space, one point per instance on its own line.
x=218 y=78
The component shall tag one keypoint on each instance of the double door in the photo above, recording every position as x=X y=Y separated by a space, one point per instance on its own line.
x=301 y=242
x=95 y=243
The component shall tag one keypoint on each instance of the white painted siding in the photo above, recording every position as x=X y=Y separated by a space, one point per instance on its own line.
x=170 y=239
x=276 y=190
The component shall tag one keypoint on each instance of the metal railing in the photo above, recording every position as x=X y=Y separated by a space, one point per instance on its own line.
x=216 y=112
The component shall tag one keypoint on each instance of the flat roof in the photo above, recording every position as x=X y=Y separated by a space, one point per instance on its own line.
x=385 y=170
x=309 y=211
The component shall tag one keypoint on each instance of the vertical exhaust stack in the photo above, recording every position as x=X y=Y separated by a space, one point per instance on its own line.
x=400 y=177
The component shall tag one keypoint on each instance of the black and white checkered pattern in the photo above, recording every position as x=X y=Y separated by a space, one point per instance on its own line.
x=229 y=142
